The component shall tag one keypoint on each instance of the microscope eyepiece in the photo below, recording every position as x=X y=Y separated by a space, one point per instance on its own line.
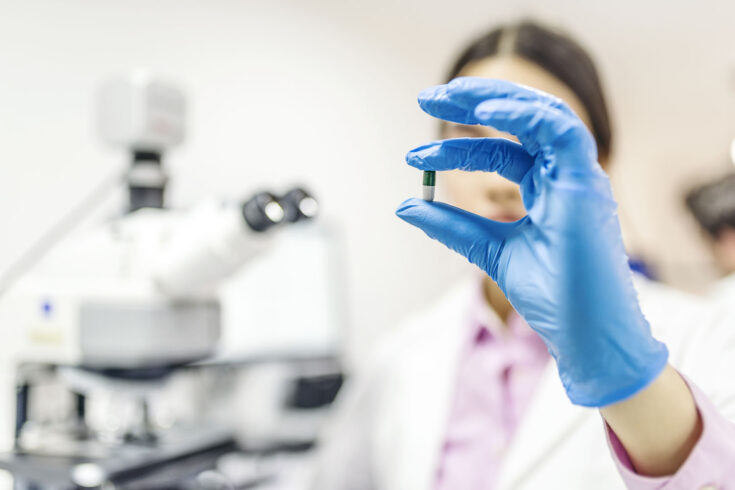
x=299 y=205
x=263 y=211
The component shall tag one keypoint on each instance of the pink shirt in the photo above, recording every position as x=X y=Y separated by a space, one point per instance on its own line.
x=497 y=376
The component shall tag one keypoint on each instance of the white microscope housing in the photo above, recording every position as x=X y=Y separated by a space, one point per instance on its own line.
x=138 y=291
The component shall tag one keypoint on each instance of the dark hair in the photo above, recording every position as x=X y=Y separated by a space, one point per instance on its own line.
x=713 y=204
x=556 y=53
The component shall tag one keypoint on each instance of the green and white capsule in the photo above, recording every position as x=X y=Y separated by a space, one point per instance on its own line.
x=429 y=185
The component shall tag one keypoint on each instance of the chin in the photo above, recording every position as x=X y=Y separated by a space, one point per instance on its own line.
x=504 y=218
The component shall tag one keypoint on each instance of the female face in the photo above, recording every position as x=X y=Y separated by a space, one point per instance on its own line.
x=485 y=193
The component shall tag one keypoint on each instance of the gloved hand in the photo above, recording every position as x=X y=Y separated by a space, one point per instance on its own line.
x=563 y=266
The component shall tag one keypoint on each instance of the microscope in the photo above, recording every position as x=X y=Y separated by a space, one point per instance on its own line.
x=124 y=307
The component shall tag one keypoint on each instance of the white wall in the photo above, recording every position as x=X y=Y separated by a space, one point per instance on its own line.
x=323 y=93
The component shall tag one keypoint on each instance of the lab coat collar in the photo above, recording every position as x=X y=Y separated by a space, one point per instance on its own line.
x=549 y=422
x=428 y=381
x=724 y=289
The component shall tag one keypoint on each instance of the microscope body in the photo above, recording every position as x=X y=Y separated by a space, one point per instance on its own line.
x=117 y=316
x=139 y=290
x=135 y=292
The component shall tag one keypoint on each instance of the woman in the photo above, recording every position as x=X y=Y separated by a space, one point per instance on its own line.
x=466 y=395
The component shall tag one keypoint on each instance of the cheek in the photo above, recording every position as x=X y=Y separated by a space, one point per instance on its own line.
x=483 y=193
x=462 y=190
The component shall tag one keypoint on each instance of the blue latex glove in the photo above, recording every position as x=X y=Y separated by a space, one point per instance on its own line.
x=563 y=266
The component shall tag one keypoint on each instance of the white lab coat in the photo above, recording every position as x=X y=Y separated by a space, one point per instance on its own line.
x=723 y=291
x=390 y=422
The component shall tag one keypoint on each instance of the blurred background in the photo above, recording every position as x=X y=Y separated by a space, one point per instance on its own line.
x=322 y=94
